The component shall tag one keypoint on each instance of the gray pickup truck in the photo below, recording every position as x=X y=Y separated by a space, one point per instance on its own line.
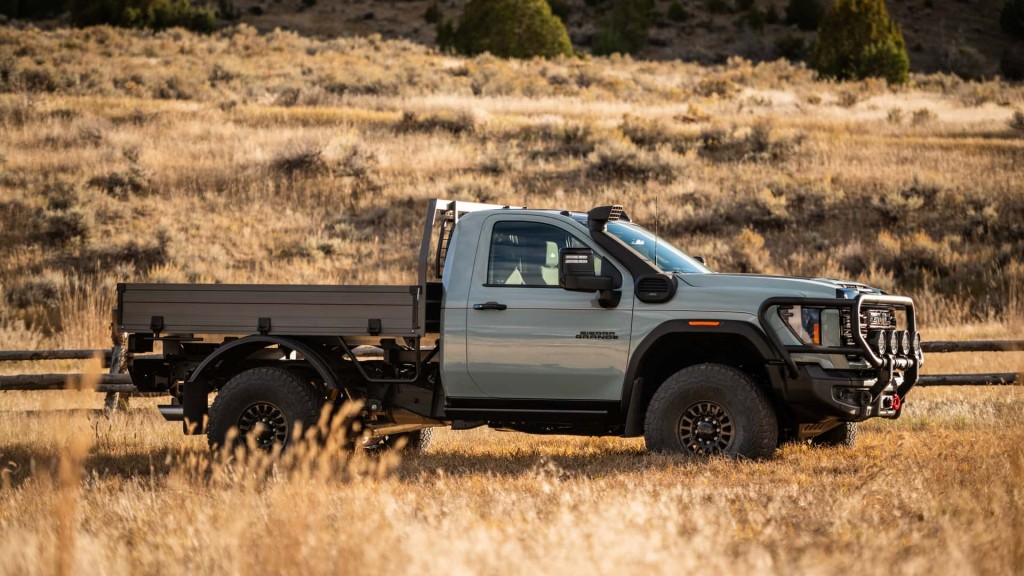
x=539 y=321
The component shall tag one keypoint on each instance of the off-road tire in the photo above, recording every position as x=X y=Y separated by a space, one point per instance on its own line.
x=417 y=441
x=743 y=410
x=260 y=390
x=844 y=435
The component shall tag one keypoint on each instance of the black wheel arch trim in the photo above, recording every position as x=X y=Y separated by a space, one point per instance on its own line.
x=632 y=394
x=245 y=347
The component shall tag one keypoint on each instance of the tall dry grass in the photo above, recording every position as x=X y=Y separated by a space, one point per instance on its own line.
x=937 y=491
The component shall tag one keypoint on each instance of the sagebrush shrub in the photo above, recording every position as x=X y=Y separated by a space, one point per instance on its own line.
x=301 y=161
x=1017 y=121
x=454 y=122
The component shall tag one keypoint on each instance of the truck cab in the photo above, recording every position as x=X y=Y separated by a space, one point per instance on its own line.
x=544 y=321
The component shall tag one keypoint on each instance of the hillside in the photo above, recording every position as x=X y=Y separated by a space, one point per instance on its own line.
x=959 y=36
x=242 y=157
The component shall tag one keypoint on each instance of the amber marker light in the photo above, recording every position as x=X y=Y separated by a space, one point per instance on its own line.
x=703 y=323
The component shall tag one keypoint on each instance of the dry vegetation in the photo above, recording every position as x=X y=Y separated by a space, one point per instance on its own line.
x=275 y=158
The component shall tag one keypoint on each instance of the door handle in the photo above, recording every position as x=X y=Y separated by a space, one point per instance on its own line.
x=489 y=306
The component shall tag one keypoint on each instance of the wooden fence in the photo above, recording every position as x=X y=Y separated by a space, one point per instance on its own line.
x=116 y=382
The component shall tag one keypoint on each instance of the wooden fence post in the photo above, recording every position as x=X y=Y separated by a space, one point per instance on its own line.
x=116 y=400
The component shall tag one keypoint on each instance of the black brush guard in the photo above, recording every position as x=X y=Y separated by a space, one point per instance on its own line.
x=886 y=365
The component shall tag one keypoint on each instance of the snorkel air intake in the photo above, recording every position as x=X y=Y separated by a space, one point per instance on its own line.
x=650 y=284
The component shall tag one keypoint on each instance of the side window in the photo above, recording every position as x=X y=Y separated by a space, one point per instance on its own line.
x=526 y=253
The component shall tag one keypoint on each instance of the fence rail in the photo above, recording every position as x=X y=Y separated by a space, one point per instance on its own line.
x=942 y=346
x=119 y=383
x=35 y=355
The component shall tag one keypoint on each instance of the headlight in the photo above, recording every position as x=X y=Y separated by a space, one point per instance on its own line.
x=805 y=324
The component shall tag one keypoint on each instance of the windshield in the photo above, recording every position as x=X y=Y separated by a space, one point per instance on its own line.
x=669 y=258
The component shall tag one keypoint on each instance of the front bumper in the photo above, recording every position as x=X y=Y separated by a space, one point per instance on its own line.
x=848 y=395
x=817 y=394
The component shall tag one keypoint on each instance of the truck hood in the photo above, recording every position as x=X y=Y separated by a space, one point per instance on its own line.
x=768 y=285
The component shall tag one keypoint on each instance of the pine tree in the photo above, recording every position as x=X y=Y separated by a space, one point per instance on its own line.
x=507 y=28
x=858 y=40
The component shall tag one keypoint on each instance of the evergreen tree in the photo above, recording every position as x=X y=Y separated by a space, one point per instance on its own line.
x=507 y=28
x=624 y=29
x=1011 y=19
x=858 y=40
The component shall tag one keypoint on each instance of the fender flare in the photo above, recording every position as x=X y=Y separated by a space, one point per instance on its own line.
x=244 y=347
x=632 y=395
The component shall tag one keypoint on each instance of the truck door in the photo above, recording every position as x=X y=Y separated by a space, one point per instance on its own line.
x=526 y=337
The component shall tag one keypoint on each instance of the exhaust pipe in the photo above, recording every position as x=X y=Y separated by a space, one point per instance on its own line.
x=172 y=412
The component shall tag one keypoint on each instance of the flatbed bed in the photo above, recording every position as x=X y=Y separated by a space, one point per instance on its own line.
x=310 y=310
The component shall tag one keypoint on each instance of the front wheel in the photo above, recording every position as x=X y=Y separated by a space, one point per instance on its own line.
x=416 y=442
x=711 y=409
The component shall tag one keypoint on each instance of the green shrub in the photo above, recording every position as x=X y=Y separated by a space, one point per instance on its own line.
x=624 y=28
x=719 y=7
x=755 y=19
x=507 y=28
x=804 y=14
x=1011 y=19
x=858 y=40
x=31 y=8
x=1012 y=62
x=432 y=15
x=155 y=14
x=791 y=47
x=677 y=12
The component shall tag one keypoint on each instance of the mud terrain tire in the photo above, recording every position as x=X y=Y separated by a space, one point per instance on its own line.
x=711 y=409
x=275 y=398
x=843 y=435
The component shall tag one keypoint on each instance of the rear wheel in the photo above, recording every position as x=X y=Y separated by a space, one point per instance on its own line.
x=711 y=409
x=265 y=405
x=845 y=435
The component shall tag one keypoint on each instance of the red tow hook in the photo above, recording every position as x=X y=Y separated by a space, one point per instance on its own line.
x=896 y=402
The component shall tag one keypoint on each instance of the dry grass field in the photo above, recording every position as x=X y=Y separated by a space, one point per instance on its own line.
x=242 y=157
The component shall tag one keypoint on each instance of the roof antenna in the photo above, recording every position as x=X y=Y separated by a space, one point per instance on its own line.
x=657 y=233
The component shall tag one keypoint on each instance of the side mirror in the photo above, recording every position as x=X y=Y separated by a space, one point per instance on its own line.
x=576 y=273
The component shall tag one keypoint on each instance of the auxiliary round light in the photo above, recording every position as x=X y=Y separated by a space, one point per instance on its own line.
x=918 y=351
x=905 y=342
x=881 y=343
x=894 y=341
